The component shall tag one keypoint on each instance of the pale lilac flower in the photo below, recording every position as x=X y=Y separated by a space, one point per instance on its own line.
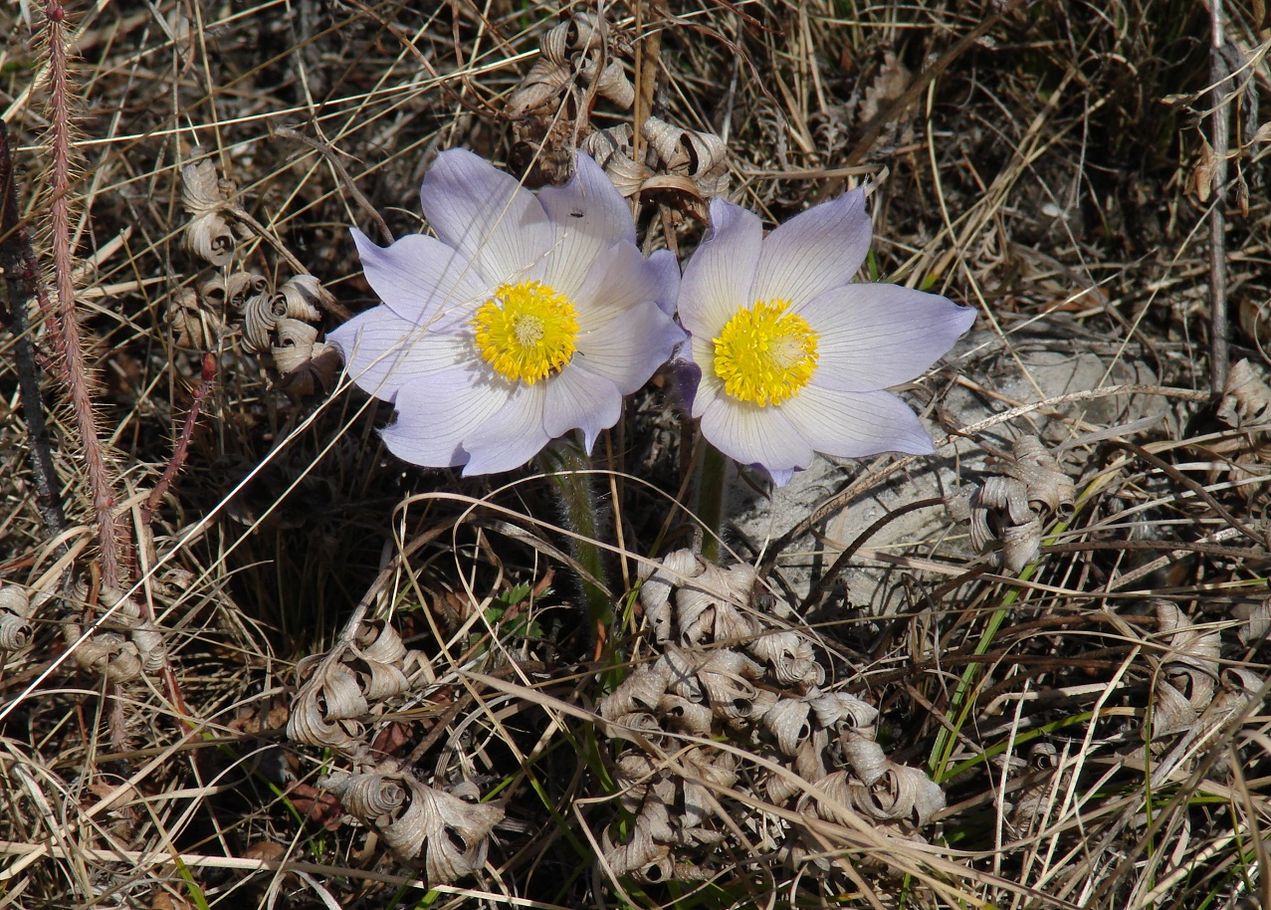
x=525 y=318
x=794 y=357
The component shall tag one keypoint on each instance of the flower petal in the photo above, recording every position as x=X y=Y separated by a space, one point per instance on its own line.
x=814 y=251
x=856 y=424
x=622 y=279
x=436 y=417
x=718 y=277
x=577 y=398
x=383 y=352
x=487 y=216
x=870 y=336
x=709 y=386
x=590 y=216
x=754 y=435
x=421 y=279
x=512 y=436
x=627 y=350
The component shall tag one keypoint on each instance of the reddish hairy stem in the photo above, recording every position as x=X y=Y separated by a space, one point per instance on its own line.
x=77 y=377
x=182 y=449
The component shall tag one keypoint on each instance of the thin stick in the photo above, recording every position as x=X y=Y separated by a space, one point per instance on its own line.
x=1219 y=75
x=15 y=254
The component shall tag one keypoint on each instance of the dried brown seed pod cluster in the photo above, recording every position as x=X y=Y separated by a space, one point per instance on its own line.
x=123 y=647
x=282 y=323
x=446 y=833
x=1192 y=697
x=727 y=672
x=342 y=694
x=1013 y=506
x=1245 y=407
x=209 y=234
x=581 y=63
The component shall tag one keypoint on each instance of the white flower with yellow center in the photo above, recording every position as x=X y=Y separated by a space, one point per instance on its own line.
x=793 y=356
x=526 y=317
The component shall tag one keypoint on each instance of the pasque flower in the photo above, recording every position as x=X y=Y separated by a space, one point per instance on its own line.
x=794 y=357
x=524 y=318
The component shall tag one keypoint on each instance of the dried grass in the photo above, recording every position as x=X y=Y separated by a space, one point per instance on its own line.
x=1047 y=162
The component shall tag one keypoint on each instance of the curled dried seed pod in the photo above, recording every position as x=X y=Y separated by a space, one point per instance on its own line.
x=1257 y=625
x=209 y=237
x=417 y=822
x=612 y=83
x=376 y=640
x=789 y=657
x=298 y=298
x=106 y=654
x=149 y=643
x=541 y=88
x=685 y=716
x=323 y=707
x=1192 y=664
x=637 y=852
x=1020 y=544
x=315 y=374
x=295 y=344
x=15 y=633
x=259 y=323
x=231 y=290
x=202 y=191
x=1172 y=712
x=867 y=759
x=613 y=151
x=639 y=692
x=834 y=708
x=1246 y=398
x=15 y=600
x=1049 y=490
x=192 y=326
x=787 y=721
x=1009 y=495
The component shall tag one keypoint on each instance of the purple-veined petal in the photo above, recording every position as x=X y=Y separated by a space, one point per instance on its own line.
x=754 y=435
x=856 y=424
x=487 y=216
x=718 y=277
x=383 y=352
x=709 y=386
x=421 y=279
x=437 y=415
x=814 y=251
x=628 y=349
x=590 y=216
x=870 y=336
x=579 y=399
x=512 y=436
x=621 y=279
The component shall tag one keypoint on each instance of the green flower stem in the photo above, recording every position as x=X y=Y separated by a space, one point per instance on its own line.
x=711 y=477
x=569 y=469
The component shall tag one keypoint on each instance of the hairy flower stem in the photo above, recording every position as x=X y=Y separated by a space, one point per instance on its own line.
x=572 y=479
x=709 y=507
x=76 y=373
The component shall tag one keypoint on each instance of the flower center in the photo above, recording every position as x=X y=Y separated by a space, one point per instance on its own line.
x=764 y=355
x=526 y=331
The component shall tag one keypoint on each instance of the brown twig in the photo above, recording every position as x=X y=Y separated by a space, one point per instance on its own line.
x=77 y=372
x=15 y=253
x=1219 y=77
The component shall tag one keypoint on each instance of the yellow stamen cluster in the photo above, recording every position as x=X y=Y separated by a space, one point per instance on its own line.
x=526 y=331
x=765 y=355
